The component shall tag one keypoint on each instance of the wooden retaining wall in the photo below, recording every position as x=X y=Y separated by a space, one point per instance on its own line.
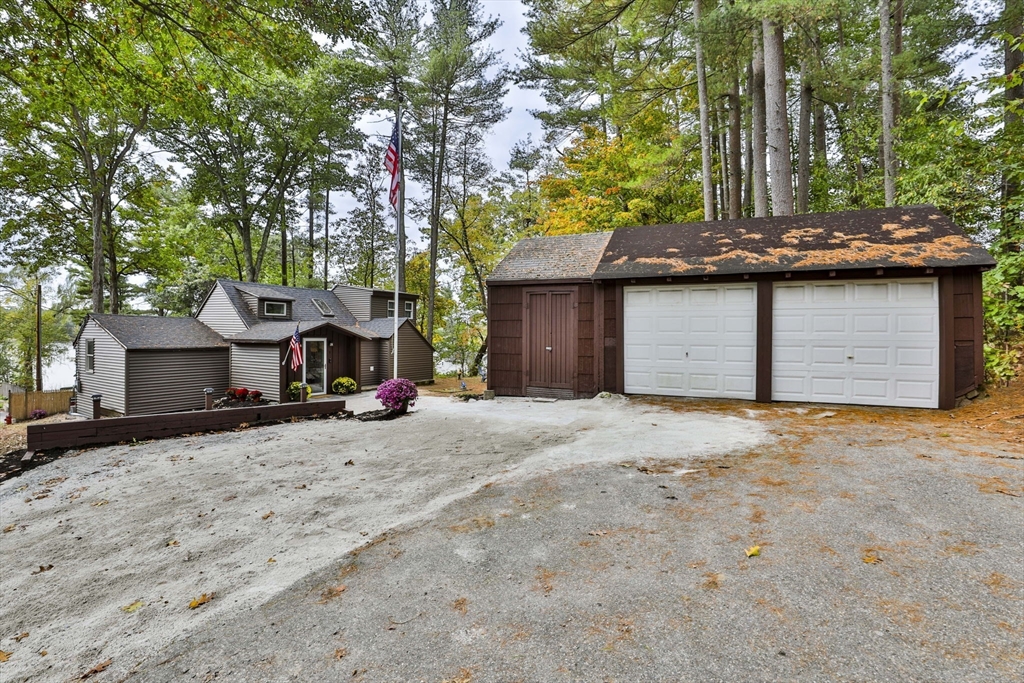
x=22 y=403
x=79 y=433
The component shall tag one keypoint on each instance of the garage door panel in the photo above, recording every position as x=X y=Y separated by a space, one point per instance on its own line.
x=637 y=297
x=701 y=340
x=873 y=343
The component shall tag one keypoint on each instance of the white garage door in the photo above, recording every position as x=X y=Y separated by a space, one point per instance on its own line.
x=867 y=342
x=690 y=340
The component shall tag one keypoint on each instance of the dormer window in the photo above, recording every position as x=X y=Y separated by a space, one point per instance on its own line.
x=275 y=309
x=324 y=309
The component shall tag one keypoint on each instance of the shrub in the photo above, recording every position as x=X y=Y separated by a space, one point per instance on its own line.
x=38 y=414
x=397 y=394
x=294 y=388
x=343 y=385
x=230 y=393
x=240 y=394
x=255 y=395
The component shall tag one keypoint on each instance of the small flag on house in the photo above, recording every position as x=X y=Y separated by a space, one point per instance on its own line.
x=296 y=349
x=393 y=164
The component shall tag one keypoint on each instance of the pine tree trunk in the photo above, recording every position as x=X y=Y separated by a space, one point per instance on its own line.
x=759 y=135
x=888 y=114
x=778 y=119
x=748 y=165
x=735 y=153
x=284 y=247
x=723 y=167
x=1013 y=60
x=97 y=252
x=705 y=129
x=435 y=220
x=803 y=167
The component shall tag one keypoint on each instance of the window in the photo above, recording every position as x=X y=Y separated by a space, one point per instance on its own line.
x=324 y=309
x=391 y=308
x=277 y=309
x=408 y=309
x=90 y=354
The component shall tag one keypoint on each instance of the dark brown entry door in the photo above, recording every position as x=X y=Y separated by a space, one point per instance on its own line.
x=550 y=340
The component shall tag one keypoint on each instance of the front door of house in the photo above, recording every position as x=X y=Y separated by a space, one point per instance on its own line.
x=314 y=369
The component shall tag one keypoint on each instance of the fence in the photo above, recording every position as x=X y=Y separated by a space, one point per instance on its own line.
x=22 y=403
x=77 y=433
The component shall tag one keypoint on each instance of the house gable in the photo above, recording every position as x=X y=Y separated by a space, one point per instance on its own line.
x=220 y=313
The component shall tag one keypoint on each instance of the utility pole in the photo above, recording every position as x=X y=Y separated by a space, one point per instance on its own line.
x=399 y=234
x=39 y=337
x=327 y=219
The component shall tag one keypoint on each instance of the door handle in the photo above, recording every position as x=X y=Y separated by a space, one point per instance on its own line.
x=547 y=348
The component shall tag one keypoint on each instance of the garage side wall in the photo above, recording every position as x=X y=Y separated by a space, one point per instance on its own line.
x=586 y=361
x=257 y=366
x=968 y=354
x=108 y=375
x=173 y=380
x=505 y=349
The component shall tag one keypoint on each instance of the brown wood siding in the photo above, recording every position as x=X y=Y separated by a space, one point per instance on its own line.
x=108 y=376
x=369 y=370
x=168 y=381
x=586 y=367
x=763 y=358
x=610 y=337
x=341 y=358
x=947 y=351
x=257 y=366
x=505 y=329
x=966 y=342
x=219 y=314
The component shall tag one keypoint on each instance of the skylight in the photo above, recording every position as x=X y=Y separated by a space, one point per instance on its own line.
x=323 y=308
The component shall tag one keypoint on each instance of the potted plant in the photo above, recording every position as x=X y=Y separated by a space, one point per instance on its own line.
x=343 y=385
x=295 y=388
x=397 y=394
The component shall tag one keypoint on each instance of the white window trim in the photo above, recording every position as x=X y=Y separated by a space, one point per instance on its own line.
x=90 y=358
x=282 y=314
x=391 y=308
x=409 y=308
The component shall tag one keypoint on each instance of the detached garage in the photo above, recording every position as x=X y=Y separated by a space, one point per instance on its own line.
x=877 y=307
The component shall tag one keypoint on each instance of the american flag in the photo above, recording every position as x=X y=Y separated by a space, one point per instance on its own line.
x=296 y=347
x=393 y=163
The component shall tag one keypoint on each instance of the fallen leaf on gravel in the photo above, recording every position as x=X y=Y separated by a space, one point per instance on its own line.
x=201 y=600
x=100 y=502
x=268 y=515
x=871 y=557
x=350 y=462
x=20 y=637
x=42 y=653
x=271 y=560
x=597 y=533
x=43 y=569
x=301 y=486
x=332 y=592
x=753 y=551
x=172 y=544
x=340 y=653
x=133 y=607
x=10 y=527
x=99 y=668
x=5 y=656
x=231 y=497
x=821 y=415
x=465 y=676
x=460 y=605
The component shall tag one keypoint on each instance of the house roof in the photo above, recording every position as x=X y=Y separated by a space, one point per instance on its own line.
x=910 y=236
x=374 y=290
x=383 y=327
x=301 y=299
x=145 y=332
x=561 y=257
x=279 y=330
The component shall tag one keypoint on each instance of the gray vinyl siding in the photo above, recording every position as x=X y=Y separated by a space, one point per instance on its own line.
x=167 y=381
x=257 y=366
x=415 y=357
x=251 y=301
x=379 y=305
x=219 y=314
x=356 y=300
x=369 y=356
x=108 y=377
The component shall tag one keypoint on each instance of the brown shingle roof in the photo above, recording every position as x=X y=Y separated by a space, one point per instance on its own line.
x=911 y=236
x=147 y=332
x=561 y=257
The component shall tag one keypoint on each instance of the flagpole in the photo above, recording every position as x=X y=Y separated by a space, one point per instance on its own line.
x=398 y=233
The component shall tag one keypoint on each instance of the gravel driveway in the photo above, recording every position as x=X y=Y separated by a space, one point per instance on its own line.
x=506 y=541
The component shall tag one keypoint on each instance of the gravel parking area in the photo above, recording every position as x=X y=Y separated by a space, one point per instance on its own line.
x=512 y=540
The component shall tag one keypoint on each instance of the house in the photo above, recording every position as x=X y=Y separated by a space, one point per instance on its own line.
x=241 y=337
x=874 y=307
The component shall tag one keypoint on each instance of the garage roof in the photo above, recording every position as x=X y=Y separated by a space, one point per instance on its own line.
x=561 y=257
x=911 y=236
